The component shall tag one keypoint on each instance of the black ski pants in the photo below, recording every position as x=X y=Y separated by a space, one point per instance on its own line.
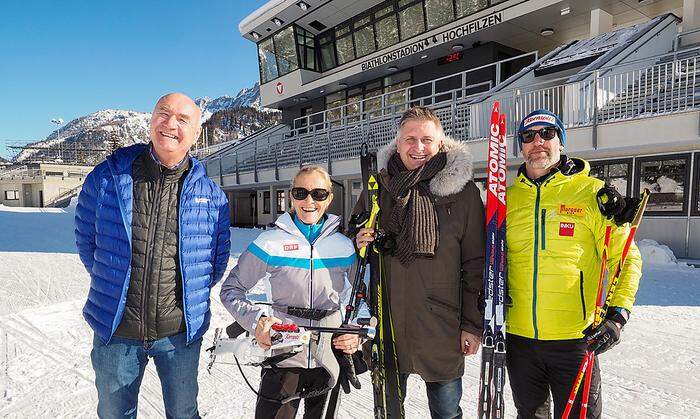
x=538 y=367
x=280 y=383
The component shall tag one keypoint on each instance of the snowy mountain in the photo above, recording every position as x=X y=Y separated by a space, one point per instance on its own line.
x=90 y=138
x=248 y=97
x=237 y=123
x=82 y=138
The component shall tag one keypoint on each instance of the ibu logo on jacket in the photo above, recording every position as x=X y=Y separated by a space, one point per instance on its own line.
x=567 y=229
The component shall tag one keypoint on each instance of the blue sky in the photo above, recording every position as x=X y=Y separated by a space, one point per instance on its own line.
x=68 y=58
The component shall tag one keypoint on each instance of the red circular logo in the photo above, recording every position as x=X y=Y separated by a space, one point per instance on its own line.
x=280 y=88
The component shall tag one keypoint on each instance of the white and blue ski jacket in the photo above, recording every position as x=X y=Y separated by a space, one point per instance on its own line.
x=301 y=274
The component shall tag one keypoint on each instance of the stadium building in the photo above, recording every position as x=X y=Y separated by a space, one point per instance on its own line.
x=622 y=75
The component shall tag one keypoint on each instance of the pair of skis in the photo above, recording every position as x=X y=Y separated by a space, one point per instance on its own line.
x=388 y=400
x=493 y=354
x=586 y=369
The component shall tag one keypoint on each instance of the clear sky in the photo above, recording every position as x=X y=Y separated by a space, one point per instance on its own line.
x=69 y=58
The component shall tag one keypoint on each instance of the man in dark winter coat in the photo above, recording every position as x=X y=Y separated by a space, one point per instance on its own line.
x=433 y=210
x=153 y=232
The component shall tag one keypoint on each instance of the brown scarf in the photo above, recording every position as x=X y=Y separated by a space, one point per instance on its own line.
x=413 y=220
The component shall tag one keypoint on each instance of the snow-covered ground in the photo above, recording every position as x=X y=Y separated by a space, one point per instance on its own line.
x=45 y=345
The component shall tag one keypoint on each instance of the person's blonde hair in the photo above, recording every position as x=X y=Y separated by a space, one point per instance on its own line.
x=420 y=113
x=308 y=170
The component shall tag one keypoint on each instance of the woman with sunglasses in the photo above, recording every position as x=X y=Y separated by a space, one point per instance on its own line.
x=308 y=262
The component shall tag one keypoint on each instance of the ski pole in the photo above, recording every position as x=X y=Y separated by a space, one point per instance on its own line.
x=589 y=358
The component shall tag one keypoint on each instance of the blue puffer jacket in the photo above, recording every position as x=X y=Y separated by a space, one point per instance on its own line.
x=103 y=237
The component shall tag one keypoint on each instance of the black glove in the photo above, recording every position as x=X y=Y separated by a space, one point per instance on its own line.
x=350 y=367
x=627 y=214
x=607 y=334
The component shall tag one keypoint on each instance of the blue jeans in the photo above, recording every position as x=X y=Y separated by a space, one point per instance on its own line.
x=120 y=365
x=443 y=397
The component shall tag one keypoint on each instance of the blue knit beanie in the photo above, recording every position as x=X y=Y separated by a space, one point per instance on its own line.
x=541 y=117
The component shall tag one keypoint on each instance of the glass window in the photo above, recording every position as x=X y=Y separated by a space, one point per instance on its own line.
x=345 y=51
x=361 y=22
x=467 y=7
x=342 y=30
x=305 y=49
x=383 y=12
x=387 y=32
x=352 y=111
x=373 y=99
x=411 y=20
x=666 y=179
x=266 y=59
x=364 y=40
x=266 y=202
x=396 y=85
x=334 y=100
x=327 y=53
x=280 y=202
x=439 y=12
x=615 y=173
x=11 y=195
x=286 y=51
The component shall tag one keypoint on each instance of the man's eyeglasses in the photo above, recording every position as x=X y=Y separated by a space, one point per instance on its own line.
x=546 y=134
x=317 y=194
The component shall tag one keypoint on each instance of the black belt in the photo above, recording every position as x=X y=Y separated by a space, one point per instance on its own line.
x=306 y=313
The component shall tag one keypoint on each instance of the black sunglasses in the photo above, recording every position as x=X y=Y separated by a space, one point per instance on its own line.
x=317 y=194
x=546 y=134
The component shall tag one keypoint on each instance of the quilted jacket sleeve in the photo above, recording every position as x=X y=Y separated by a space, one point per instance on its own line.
x=85 y=214
x=223 y=241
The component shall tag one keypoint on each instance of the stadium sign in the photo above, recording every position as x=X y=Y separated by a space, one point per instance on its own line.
x=437 y=39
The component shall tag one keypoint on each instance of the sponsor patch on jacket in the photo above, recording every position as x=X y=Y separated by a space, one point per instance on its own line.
x=566 y=229
x=570 y=210
x=201 y=200
x=291 y=247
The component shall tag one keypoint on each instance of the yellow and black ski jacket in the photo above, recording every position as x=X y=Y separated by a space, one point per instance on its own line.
x=555 y=234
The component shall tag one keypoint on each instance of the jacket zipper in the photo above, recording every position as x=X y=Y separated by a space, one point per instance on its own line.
x=179 y=254
x=145 y=288
x=583 y=297
x=544 y=225
x=536 y=257
x=311 y=291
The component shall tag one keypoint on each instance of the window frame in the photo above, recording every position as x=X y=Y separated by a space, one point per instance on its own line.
x=686 y=195
x=16 y=195
x=630 y=168
x=267 y=209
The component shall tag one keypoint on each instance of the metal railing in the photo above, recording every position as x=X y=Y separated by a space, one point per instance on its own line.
x=20 y=172
x=659 y=85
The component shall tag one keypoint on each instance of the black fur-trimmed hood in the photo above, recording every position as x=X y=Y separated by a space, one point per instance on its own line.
x=458 y=170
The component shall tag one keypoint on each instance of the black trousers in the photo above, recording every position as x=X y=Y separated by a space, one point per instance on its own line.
x=538 y=367
x=280 y=383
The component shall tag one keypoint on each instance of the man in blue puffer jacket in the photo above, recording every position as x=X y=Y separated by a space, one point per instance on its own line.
x=153 y=232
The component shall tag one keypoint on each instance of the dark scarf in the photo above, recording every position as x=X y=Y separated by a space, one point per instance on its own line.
x=413 y=220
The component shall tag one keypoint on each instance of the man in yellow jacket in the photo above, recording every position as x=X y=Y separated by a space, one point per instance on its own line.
x=555 y=235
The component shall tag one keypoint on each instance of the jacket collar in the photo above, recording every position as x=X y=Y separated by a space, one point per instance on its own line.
x=121 y=161
x=450 y=180
x=568 y=169
x=286 y=223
